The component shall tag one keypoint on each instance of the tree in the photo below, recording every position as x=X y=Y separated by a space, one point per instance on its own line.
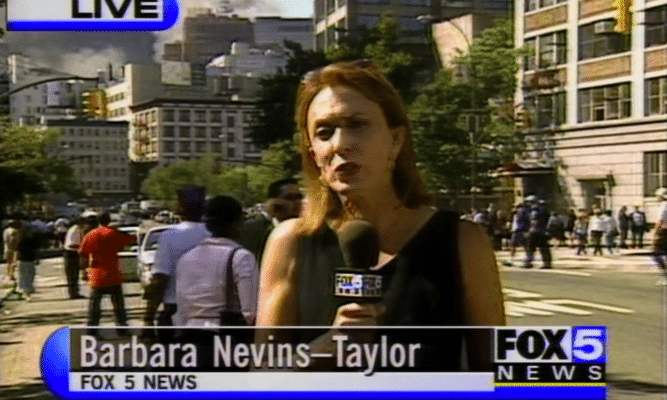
x=28 y=157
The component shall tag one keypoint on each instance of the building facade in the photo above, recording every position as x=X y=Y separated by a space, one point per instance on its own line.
x=97 y=152
x=275 y=30
x=337 y=18
x=170 y=130
x=597 y=102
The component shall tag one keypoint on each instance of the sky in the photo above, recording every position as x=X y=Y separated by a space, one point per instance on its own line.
x=296 y=8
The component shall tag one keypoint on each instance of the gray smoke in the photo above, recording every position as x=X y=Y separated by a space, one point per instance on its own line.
x=242 y=8
x=82 y=53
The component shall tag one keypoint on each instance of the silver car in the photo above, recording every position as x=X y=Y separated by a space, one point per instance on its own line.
x=147 y=251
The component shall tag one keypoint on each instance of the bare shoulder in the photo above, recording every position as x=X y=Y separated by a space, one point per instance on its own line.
x=483 y=296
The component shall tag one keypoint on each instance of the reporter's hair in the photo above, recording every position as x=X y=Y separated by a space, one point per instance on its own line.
x=322 y=203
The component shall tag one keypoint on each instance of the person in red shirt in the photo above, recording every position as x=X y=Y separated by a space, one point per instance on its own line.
x=100 y=247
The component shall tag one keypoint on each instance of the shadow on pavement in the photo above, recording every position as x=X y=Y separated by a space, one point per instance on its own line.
x=62 y=318
x=34 y=390
x=622 y=383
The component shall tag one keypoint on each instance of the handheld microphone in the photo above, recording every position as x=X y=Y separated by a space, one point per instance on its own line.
x=360 y=245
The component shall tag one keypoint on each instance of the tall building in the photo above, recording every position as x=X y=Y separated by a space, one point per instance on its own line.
x=207 y=35
x=97 y=153
x=275 y=30
x=596 y=101
x=337 y=18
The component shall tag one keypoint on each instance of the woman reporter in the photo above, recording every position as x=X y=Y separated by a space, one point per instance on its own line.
x=359 y=163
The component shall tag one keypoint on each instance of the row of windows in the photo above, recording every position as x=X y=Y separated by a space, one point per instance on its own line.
x=103 y=172
x=96 y=159
x=116 y=97
x=118 y=112
x=213 y=132
x=105 y=186
x=597 y=104
x=95 y=132
x=199 y=147
x=532 y=5
x=28 y=99
x=104 y=146
x=596 y=39
x=202 y=116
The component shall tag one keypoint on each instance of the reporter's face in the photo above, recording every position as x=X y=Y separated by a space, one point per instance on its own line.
x=351 y=142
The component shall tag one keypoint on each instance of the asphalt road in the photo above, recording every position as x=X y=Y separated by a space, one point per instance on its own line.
x=623 y=298
x=630 y=305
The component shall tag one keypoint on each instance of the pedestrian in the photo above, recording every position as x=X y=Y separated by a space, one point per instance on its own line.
x=596 y=228
x=27 y=256
x=217 y=280
x=555 y=228
x=359 y=164
x=520 y=225
x=10 y=237
x=610 y=230
x=283 y=202
x=580 y=231
x=60 y=227
x=660 y=235
x=569 y=228
x=172 y=244
x=99 y=249
x=71 y=257
x=537 y=236
x=623 y=227
x=638 y=226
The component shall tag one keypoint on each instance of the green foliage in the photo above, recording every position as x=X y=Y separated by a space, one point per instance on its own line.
x=246 y=183
x=29 y=163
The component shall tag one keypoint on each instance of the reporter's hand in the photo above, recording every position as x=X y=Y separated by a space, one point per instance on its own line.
x=356 y=314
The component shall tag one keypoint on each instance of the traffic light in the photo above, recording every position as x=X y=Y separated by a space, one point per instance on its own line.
x=623 y=16
x=95 y=103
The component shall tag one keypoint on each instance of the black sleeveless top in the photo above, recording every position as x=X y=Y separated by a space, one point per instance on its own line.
x=422 y=283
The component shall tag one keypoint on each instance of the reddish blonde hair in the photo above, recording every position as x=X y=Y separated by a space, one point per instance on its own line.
x=366 y=78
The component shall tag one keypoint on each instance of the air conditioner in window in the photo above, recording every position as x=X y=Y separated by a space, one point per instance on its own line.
x=603 y=27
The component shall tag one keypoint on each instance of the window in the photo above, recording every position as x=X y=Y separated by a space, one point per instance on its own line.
x=216 y=132
x=231 y=152
x=231 y=137
x=200 y=132
x=217 y=147
x=201 y=147
x=553 y=49
x=168 y=131
x=184 y=147
x=416 y=3
x=28 y=98
x=530 y=61
x=655 y=171
x=656 y=26
x=216 y=116
x=168 y=115
x=200 y=116
x=656 y=96
x=230 y=121
x=368 y=20
x=184 y=115
x=605 y=103
x=606 y=41
x=184 y=131
x=532 y=5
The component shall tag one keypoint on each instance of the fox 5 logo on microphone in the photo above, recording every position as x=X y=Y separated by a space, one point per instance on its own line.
x=579 y=344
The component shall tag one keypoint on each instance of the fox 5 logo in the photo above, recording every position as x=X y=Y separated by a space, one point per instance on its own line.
x=580 y=344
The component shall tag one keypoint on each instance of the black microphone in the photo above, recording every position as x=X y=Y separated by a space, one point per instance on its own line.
x=360 y=245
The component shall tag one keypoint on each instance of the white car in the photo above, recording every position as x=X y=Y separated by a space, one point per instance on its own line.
x=147 y=251
x=128 y=256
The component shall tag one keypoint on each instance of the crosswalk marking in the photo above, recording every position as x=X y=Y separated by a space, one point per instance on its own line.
x=519 y=303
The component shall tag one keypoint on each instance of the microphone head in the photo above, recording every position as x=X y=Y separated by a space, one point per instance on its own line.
x=359 y=243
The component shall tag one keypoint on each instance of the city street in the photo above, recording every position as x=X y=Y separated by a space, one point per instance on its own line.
x=615 y=291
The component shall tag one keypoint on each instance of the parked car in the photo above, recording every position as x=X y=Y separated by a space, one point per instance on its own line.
x=147 y=250
x=128 y=256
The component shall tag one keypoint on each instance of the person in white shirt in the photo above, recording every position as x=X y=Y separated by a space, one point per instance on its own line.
x=172 y=244
x=596 y=228
x=71 y=257
x=610 y=231
x=217 y=268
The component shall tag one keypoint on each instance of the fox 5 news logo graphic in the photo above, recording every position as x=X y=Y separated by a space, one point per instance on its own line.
x=551 y=354
x=358 y=285
x=91 y=15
